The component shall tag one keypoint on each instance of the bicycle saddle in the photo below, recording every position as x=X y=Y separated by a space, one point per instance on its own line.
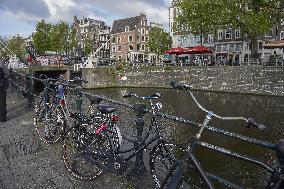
x=106 y=108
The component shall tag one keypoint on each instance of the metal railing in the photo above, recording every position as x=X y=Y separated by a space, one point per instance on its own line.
x=23 y=84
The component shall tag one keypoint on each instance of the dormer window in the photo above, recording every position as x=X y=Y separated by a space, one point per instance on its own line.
x=126 y=28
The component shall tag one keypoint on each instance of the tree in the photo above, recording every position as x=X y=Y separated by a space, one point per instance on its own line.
x=72 y=40
x=41 y=37
x=199 y=17
x=252 y=17
x=59 y=37
x=88 y=46
x=17 y=45
x=159 y=41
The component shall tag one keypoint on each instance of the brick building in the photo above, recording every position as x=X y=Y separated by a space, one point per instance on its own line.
x=129 y=39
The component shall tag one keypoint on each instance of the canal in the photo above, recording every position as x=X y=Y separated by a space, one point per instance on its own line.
x=267 y=110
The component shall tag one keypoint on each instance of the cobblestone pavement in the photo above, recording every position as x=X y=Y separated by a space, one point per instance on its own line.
x=26 y=162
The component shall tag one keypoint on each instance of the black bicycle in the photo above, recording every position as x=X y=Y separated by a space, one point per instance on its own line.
x=178 y=170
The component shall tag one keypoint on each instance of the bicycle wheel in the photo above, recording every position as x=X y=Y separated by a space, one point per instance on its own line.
x=49 y=120
x=162 y=159
x=86 y=155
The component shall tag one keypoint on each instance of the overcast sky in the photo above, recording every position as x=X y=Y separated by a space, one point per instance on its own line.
x=20 y=16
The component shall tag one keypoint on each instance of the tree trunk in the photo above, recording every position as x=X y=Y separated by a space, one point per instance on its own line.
x=254 y=47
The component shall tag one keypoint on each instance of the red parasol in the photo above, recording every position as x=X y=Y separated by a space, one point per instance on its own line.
x=177 y=51
x=198 y=50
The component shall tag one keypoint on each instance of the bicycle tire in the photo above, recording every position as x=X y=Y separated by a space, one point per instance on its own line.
x=49 y=124
x=86 y=162
x=162 y=159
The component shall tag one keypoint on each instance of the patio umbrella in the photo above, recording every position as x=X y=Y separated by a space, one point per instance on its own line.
x=177 y=51
x=198 y=50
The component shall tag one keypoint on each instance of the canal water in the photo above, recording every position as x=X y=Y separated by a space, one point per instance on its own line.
x=267 y=110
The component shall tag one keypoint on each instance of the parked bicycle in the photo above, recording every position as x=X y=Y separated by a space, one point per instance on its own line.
x=52 y=114
x=177 y=171
x=85 y=139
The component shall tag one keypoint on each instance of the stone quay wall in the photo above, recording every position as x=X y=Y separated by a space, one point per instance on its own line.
x=241 y=79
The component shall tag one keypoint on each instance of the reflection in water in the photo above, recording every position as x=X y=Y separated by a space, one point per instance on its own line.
x=265 y=109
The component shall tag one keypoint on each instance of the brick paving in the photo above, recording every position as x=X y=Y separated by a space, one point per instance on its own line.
x=28 y=163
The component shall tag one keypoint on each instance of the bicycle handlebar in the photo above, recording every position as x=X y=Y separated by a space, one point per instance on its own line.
x=76 y=79
x=249 y=121
x=154 y=96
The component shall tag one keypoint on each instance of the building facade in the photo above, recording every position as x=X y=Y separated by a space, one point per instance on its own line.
x=88 y=29
x=129 y=38
x=229 y=44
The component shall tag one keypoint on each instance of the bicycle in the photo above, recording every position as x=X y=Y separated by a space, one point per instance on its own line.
x=85 y=138
x=177 y=170
x=51 y=111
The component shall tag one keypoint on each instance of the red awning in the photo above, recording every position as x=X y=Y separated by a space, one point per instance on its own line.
x=199 y=50
x=177 y=51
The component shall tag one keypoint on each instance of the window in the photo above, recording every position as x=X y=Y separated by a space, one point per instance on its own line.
x=224 y=48
x=143 y=30
x=147 y=38
x=237 y=34
x=119 y=48
x=282 y=22
x=130 y=38
x=220 y=34
x=231 y=48
x=259 y=45
x=138 y=38
x=126 y=28
x=282 y=35
x=218 y=48
x=118 y=40
x=142 y=47
x=238 y=48
x=131 y=47
x=138 y=47
x=143 y=38
x=113 y=40
x=269 y=33
x=210 y=39
x=113 y=49
x=228 y=34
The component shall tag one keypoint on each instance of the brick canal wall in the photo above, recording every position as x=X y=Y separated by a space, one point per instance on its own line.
x=247 y=79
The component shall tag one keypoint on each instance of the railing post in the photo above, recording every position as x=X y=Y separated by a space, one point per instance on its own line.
x=29 y=88
x=79 y=98
x=3 y=105
x=139 y=167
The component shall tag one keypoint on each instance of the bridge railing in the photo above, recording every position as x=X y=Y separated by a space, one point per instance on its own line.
x=131 y=118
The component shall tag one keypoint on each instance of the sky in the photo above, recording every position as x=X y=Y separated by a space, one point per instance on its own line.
x=21 y=16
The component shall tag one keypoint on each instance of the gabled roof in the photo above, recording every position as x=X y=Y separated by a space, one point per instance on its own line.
x=119 y=25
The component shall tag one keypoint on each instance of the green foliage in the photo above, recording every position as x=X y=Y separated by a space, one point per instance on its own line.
x=17 y=45
x=252 y=17
x=159 y=41
x=88 y=46
x=42 y=41
x=59 y=37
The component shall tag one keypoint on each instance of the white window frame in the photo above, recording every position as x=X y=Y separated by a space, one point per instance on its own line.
x=142 y=47
x=269 y=32
x=282 y=22
x=113 y=49
x=143 y=37
x=126 y=29
x=143 y=31
x=237 y=34
x=220 y=34
x=129 y=38
x=132 y=47
x=281 y=37
x=118 y=40
x=229 y=32
x=210 y=39
x=118 y=48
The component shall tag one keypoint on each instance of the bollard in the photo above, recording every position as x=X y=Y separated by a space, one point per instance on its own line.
x=3 y=110
x=29 y=90
x=139 y=167
x=79 y=98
